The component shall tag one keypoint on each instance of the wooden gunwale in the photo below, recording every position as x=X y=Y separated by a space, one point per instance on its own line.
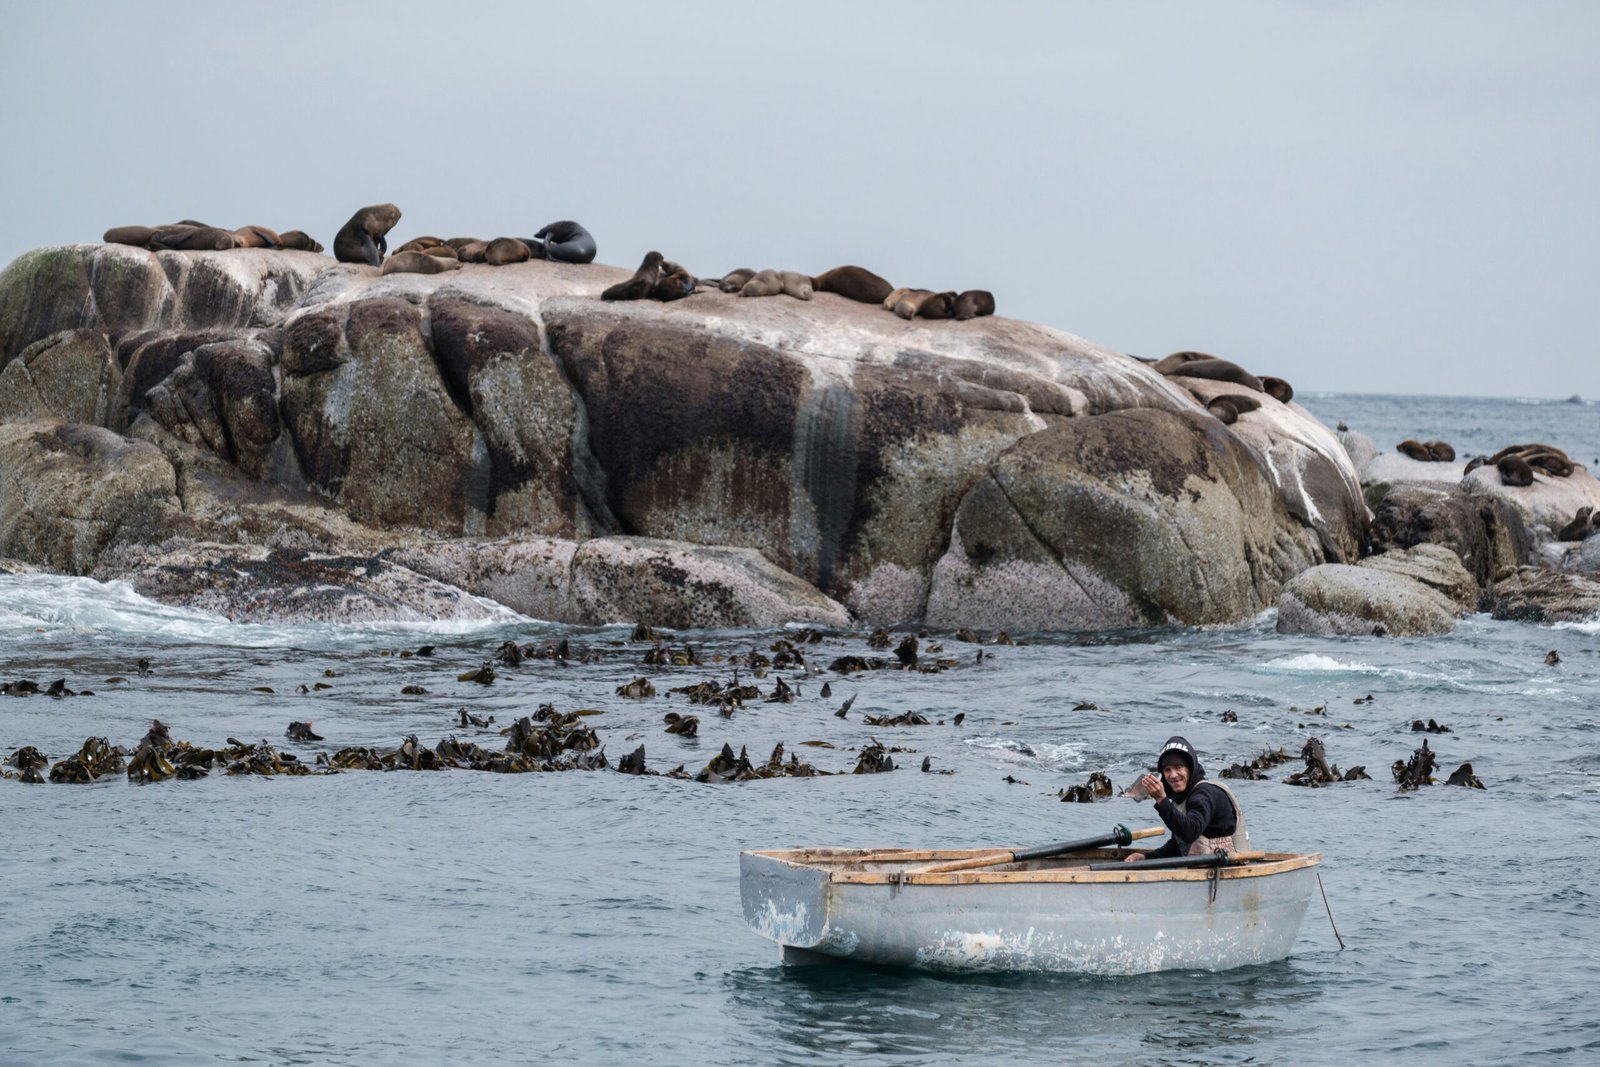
x=850 y=874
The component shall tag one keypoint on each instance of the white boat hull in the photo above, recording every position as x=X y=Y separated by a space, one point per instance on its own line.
x=1023 y=917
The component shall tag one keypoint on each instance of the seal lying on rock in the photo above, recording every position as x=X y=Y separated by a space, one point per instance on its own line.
x=1186 y=365
x=418 y=263
x=189 y=238
x=300 y=241
x=364 y=238
x=506 y=250
x=734 y=280
x=974 y=303
x=1415 y=450
x=853 y=283
x=1277 y=388
x=565 y=242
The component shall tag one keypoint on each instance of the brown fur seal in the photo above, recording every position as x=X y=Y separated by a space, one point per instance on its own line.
x=472 y=251
x=418 y=263
x=364 y=238
x=1550 y=460
x=1415 y=449
x=639 y=286
x=138 y=236
x=506 y=250
x=796 y=284
x=1578 y=528
x=734 y=280
x=419 y=244
x=186 y=238
x=442 y=251
x=674 y=283
x=974 y=303
x=1440 y=451
x=257 y=237
x=853 y=283
x=937 y=306
x=1216 y=370
x=300 y=241
x=1170 y=364
x=1514 y=471
x=763 y=283
x=1277 y=388
x=1222 y=410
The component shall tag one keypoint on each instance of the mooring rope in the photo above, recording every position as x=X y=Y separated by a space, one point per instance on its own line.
x=1330 y=912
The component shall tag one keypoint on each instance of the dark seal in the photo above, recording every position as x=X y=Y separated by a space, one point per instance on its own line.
x=565 y=242
x=364 y=238
x=974 y=303
x=640 y=285
x=853 y=283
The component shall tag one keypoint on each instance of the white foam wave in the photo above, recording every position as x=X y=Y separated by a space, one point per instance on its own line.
x=45 y=604
x=1587 y=626
x=1317 y=663
x=1064 y=756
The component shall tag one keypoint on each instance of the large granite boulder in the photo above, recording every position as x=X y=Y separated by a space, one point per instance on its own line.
x=295 y=403
x=1355 y=601
x=1436 y=567
x=1130 y=518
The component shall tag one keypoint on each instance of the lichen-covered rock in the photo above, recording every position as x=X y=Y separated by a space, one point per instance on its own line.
x=1132 y=518
x=623 y=579
x=1545 y=596
x=1352 y=601
x=69 y=491
x=72 y=375
x=1436 y=567
x=531 y=576
x=256 y=584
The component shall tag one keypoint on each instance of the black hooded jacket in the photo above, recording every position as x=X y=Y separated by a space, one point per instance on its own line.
x=1207 y=810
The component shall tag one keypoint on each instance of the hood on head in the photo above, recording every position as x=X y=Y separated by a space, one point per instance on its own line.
x=1180 y=748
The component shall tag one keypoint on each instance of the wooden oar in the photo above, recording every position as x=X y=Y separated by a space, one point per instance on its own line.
x=1210 y=859
x=1119 y=835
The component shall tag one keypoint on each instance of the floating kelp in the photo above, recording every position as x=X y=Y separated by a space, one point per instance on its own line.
x=469 y=719
x=1098 y=787
x=637 y=689
x=1415 y=772
x=874 y=759
x=854 y=664
x=1318 y=771
x=682 y=725
x=97 y=757
x=908 y=718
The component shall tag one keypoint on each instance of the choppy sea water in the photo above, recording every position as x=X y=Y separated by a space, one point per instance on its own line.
x=588 y=917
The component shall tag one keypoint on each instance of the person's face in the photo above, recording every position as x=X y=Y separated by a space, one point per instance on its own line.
x=1176 y=775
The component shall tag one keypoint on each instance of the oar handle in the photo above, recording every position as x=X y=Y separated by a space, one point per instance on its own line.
x=1121 y=835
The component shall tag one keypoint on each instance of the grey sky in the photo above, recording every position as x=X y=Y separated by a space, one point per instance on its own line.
x=1381 y=197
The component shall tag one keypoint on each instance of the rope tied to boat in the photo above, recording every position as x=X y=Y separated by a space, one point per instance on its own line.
x=1214 y=875
x=1329 y=910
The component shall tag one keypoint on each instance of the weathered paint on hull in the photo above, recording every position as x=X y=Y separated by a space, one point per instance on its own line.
x=1108 y=928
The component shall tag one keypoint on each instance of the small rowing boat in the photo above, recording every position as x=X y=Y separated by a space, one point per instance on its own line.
x=978 y=910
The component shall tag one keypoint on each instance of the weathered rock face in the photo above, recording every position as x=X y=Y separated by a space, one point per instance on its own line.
x=1044 y=539
x=1361 y=602
x=1485 y=532
x=898 y=466
x=1544 y=596
x=1436 y=567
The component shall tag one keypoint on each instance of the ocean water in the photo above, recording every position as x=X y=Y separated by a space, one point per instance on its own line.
x=593 y=917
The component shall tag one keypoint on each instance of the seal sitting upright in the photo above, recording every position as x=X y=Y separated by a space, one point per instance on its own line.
x=363 y=239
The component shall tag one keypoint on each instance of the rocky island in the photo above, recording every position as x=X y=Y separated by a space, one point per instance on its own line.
x=269 y=434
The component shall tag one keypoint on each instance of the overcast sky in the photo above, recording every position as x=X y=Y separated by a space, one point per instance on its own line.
x=1358 y=197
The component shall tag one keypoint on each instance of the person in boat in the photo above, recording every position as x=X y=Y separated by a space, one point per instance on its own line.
x=1203 y=816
